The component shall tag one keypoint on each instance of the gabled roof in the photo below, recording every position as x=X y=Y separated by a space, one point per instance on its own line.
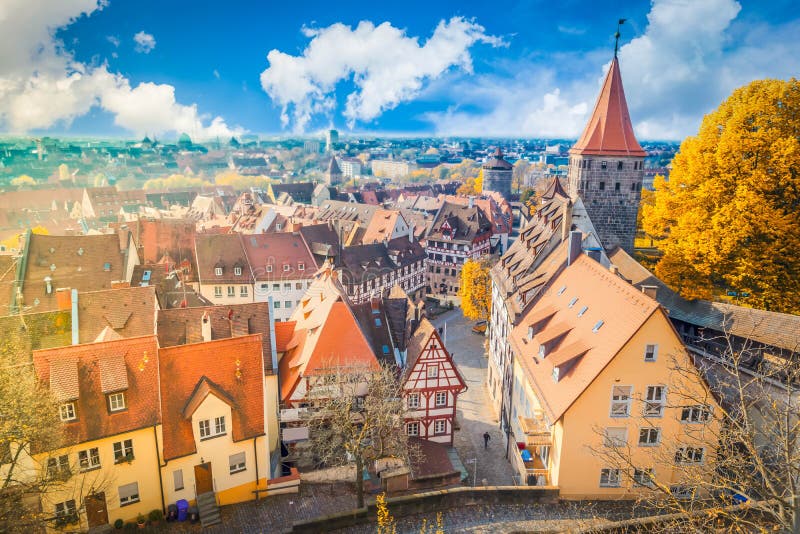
x=281 y=250
x=97 y=369
x=609 y=131
x=130 y=312
x=614 y=312
x=230 y=368
x=467 y=222
x=224 y=251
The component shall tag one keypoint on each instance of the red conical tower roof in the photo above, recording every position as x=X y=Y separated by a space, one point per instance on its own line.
x=609 y=131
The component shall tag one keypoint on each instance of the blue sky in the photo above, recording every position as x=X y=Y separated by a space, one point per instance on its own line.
x=517 y=69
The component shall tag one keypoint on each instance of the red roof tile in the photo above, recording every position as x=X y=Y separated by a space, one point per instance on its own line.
x=127 y=373
x=184 y=369
x=609 y=131
x=286 y=252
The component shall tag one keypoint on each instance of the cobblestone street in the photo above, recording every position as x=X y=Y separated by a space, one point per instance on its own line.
x=475 y=412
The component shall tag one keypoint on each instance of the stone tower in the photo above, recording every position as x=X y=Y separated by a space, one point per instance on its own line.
x=333 y=175
x=606 y=166
x=497 y=174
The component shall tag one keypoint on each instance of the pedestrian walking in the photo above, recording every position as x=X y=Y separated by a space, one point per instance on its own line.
x=486 y=438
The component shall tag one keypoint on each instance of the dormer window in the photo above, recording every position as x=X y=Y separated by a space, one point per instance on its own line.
x=116 y=402
x=237 y=271
x=269 y=268
x=106 y=266
x=301 y=266
x=209 y=430
x=287 y=267
x=218 y=271
x=67 y=412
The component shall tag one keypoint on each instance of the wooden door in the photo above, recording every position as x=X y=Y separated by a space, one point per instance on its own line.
x=96 y=509
x=202 y=478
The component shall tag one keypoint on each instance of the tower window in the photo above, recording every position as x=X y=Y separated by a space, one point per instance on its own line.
x=633 y=186
x=616 y=187
x=619 y=165
x=602 y=186
x=604 y=165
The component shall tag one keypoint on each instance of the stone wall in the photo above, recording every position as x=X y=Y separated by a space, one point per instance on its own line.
x=432 y=502
x=498 y=180
x=611 y=195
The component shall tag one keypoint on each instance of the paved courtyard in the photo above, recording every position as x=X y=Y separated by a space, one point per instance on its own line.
x=475 y=412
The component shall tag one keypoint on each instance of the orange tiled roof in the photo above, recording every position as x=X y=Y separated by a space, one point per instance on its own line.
x=284 y=331
x=99 y=368
x=186 y=368
x=570 y=339
x=609 y=131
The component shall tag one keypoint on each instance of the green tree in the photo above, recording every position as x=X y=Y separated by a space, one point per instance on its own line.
x=475 y=289
x=728 y=219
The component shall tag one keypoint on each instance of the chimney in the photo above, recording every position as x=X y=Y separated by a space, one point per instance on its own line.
x=74 y=302
x=205 y=326
x=574 y=246
x=63 y=298
x=650 y=291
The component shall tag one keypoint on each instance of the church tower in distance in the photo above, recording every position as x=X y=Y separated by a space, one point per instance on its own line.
x=606 y=166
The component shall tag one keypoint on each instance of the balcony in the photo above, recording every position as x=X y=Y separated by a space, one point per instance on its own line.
x=530 y=469
x=536 y=431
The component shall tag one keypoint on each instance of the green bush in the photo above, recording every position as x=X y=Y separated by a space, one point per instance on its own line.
x=118 y=524
x=155 y=515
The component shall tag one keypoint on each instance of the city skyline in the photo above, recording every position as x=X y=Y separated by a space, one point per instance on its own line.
x=520 y=70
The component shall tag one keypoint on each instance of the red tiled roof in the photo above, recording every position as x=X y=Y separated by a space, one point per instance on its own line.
x=225 y=251
x=129 y=311
x=185 y=368
x=160 y=237
x=107 y=366
x=609 y=131
x=281 y=250
x=284 y=331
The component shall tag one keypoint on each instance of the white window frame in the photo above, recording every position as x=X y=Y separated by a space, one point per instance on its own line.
x=440 y=426
x=612 y=478
x=690 y=455
x=219 y=426
x=89 y=459
x=432 y=370
x=231 y=291
x=650 y=431
x=67 y=412
x=651 y=352
x=237 y=271
x=58 y=465
x=66 y=509
x=412 y=428
x=116 y=401
x=443 y=396
x=643 y=476
x=269 y=268
x=122 y=450
x=218 y=271
x=615 y=436
x=131 y=496
x=696 y=415
x=237 y=463
x=218 y=292
x=654 y=404
x=412 y=401
x=287 y=267
x=243 y=292
x=177 y=479
x=301 y=266
x=204 y=427
x=621 y=401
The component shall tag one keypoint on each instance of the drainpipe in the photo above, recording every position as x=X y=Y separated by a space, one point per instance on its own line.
x=160 y=479
x=75 y=331
x=255 y=459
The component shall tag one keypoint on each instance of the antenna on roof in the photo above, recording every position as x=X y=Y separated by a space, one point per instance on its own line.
x=620 y=22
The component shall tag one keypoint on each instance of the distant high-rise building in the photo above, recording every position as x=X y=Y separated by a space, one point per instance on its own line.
x=331 y=138
x=606 y=166
x=333 y=175
x=497 y=174
x=311 y=146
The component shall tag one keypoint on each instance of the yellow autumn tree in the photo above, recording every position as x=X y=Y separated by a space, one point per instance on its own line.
x=175 y=181
x=475 y=289
x=240 y=182
x=728 y=218
x=23 y=180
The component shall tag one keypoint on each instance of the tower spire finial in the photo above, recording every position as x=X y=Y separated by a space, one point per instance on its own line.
x=620 y=22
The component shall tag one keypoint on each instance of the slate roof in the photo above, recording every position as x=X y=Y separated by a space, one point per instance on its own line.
x=186 y=369
x=183 y=326
x=497 y=162
x=130 y=312
x=302 y=192
x=322 y=240
x=771 y=328
x=98 y=368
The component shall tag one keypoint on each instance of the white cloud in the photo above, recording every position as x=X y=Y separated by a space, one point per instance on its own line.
x=216 y=74
x=113 y=39
x=145 y=42
x=683 y=65
x=42 y=85
x=387 y=67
